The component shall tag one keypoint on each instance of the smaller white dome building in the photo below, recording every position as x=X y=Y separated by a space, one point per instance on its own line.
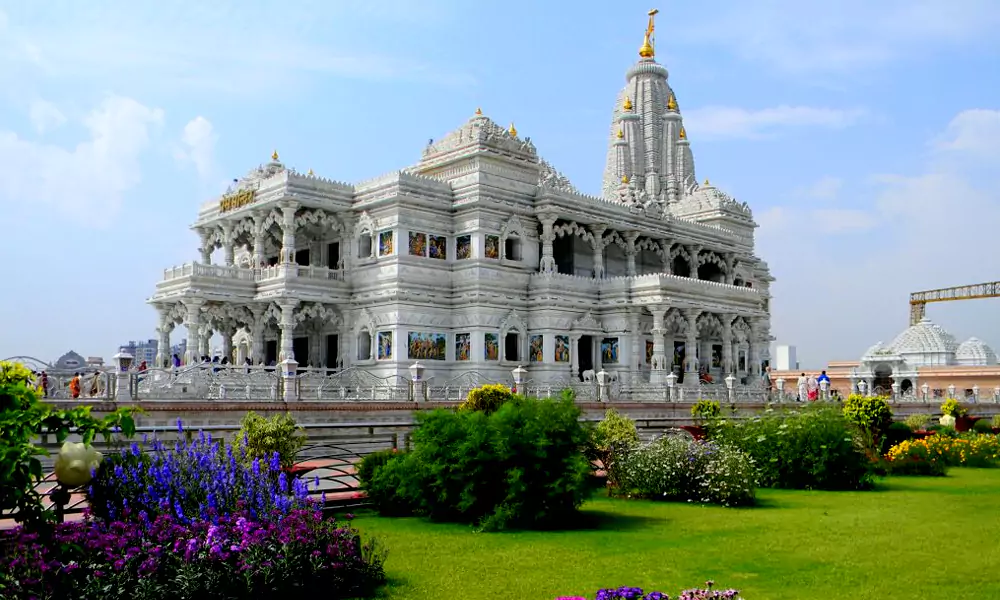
x=925 y=344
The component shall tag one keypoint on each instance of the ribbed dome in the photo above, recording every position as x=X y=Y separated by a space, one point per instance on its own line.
x=878 y=349
x=925 y=344
x=974 y=352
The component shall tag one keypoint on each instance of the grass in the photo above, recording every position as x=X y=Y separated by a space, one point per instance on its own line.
x=910 y=538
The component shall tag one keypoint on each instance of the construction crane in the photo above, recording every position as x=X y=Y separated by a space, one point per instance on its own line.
x=919 y=300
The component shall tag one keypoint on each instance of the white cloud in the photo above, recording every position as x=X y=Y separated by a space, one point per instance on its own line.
x=45 y=116
x=199 y=140
x=86 y=182
x=844 y=275
x=733 y=122
x=826 y=188
x=847 y=35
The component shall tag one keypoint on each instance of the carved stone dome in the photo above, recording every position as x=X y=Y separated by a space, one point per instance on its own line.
x=926 y=344
x=876 y=351
x=974 y=352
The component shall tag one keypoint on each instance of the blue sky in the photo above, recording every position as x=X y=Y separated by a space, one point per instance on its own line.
x=864 y=135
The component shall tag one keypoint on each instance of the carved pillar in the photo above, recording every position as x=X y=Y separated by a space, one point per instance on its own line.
x=288 y=233
x=574 y=360
x=690 y=347
x=227 y=243
x=206 y=248
x=258 y=240
x=753 y=351
x=659 y=365
x=257 y=333
x=637 y=353
x=205 y=340
x=547 y=263
x=668 y=264
x=163 y=345
x=727 y=343
x=693 y=251
x=630 y=238
x=598 y=245
x=228 y=331
x=730 y=258
x=192 y=322
x=287 y=326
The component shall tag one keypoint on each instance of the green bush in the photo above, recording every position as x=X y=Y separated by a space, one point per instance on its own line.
x=262 y=437
x=366 y=467
x=896 y=433
x=705 y=410
x=487 y=398
x=918 y=422
x=811 y=448
x=871 y=414
x=521 y=466
x=953 y=408
x=945 y=430
x=679 y=469
x=616 y=433
x=982 y=426
x=995 y=421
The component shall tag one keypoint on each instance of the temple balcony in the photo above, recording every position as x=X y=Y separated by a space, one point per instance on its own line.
x=232 y=281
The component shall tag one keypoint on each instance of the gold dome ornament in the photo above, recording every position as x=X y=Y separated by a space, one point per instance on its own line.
x=707 y=184
x=621 y=134
x=624 y=178
x=479 y=112
x=627 y=105
x=683 y=134
x=671 y=102
x=513 y=130
x=274 y=156
x=646 y=50
x=310 y=173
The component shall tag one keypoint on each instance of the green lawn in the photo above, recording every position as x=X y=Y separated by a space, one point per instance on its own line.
x=911 y=539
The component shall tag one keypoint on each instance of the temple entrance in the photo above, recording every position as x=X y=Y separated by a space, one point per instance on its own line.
x=585 y=354
x=302 y=259
x=332 y=351
x=271 y=352
x=882 y=384
x=300 y=348
x=906 y=386
x=562 y=253
x=333 y=255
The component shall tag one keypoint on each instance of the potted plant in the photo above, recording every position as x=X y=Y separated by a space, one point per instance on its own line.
x=263 y=438
x=702 y=412
x=954 y=415
x=918 y=423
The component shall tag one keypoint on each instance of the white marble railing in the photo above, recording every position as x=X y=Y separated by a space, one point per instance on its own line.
x=647 y=279
x=195 y=269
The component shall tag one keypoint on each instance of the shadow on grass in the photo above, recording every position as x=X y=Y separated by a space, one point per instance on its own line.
x=599 y=520
x=391 y=588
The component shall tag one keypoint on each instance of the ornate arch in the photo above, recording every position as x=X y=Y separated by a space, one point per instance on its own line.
x=710 y=256
x=675 y=321
x=572 y=228
x=588 y=324
x=318 y=218
x=679 y=250
x=270 y=220
x=709 y=325
x=513 y=226
x=365 y=225
x=364 y=322
x=650 y=245
x=741 y=330
x=614 y=238
x=513 y=321
x=317 y=311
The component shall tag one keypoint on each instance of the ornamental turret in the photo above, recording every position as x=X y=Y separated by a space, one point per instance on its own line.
x=647 y=113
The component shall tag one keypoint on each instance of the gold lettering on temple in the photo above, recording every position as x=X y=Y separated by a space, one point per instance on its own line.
x=237 y=200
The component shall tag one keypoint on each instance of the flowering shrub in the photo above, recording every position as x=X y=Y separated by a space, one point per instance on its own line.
x=521 y=466
x=918 y=422
x=871 y=414
x=260 y=438
x=811 y=448
x=635 y=593
x=226 y=557
x=191 y=480
x=675 y=468
x=487 y=398
x=23 y=417
x=953 y=408
x=616 y=433
x=705 y=410
x=965 y=450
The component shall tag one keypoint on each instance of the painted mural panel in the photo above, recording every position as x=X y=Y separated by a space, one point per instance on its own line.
x=426 y=346
x=463 y=247
x=463 y=346
x=562 y=349
x=535 y=347
x=609 y=351
x=418 y=244
x=492 y=246
x=438 y=247
x=384 y=345
x=491 y=347
x=385 y=247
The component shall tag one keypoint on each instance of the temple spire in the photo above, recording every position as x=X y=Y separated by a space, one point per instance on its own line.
x=646 y=50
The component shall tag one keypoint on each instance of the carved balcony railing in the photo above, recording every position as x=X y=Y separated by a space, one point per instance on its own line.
x=290 y=270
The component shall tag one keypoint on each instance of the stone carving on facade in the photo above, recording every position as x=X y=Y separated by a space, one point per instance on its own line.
x=587 y=323
x=552 y=179
x=316 y=311
x=513 y=322
x=364 y=225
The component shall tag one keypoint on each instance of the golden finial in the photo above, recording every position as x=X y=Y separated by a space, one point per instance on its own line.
x=310 y=173
x=646 y=51
x=479 y=112
x=624 y=178
x=627 y=105
x=621 y=133
x=274 y=156
x=684 y=134
x=706 y=182
x=671 y=102
x=513 y=130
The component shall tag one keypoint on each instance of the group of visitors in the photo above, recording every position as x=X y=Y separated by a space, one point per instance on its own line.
x=807 y=387
x=93 y=386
